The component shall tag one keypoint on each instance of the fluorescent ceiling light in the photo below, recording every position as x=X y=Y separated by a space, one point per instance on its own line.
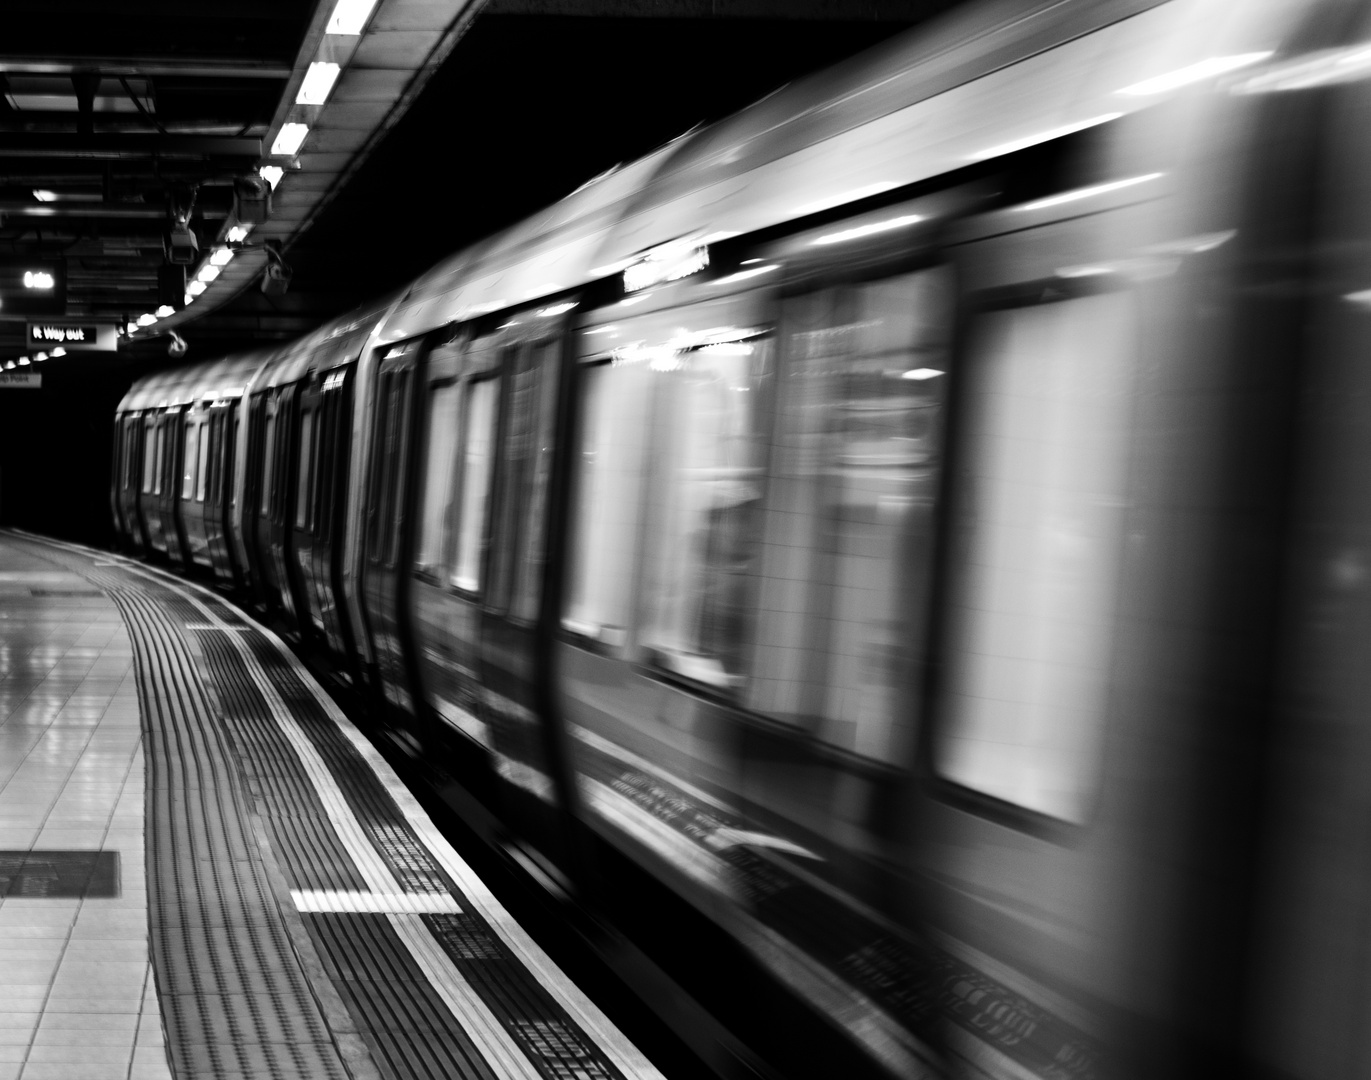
x=868 y=230
x=207 y=273
x=1205 y=69
x=23 y=361
x=1326 y=67
x=319 y=80
x=221 y=256
x=1042 y=137
x=43 y=195
x=146 y=319
x=9 y=365
x=349 y=16
x=1087 y=192
x=289 y=140
x=195 y=288
x=919 y=374
x=164 y=311
x=271 y=174
x=239 y=233
x=743 y=275
x=59 y=351
x=190 y=297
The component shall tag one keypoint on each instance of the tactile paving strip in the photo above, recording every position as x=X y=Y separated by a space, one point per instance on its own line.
x=378 y=965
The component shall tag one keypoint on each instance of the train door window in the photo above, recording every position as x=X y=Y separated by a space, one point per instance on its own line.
x=202 y=458
x=615 y=401
x=395 y=457
x=302 y=487
x=702 y=505
x=477 y=461
x=160 y=450
x=268 y=459
x=528 y=450
x=847 y=527
x=1037 y=534
x=440 y=460
x=326 y=464
x=228 y=464
x=378 y=467
x=149 y=456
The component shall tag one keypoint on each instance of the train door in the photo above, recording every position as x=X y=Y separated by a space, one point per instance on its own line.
x=334 y=440
x=387 y=533
x=131 y=463
x=305 y=519
x=193 y=484
x=222 y=417
x=156 y=430
x=263 y=496
x=286 y=508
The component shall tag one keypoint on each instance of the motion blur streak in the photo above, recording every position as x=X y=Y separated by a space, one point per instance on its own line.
x=940 y=611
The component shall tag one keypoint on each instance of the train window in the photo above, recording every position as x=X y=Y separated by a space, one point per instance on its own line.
x=528 y=467
x=268 y=450
x=149 y=456
x=326 y=462
x=702 y=505
x=1036 y=541
x=614 y=401
x=477 y=459
x=159 y=468
x=302 y=492
x=192 y=450
x=201 y=461
x=395 y=456
x=228 y=464
x=439 y=467
x=847 y=527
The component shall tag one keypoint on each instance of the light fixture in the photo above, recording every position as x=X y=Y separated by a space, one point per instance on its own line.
x=271 y=174
x=1326 y=67
x=207 y=273
x=349 y=16
x=189 y=298
x=319 y=80
x=239 y=233
x=165 y=310
x=38 y=279
x=9 y=365
x=43 y=195
x=919 y=374
x=1087 y=192
x=221 y=256
x=555 y=309
x=146 y=319
x=195 y=288
x=289 y=140
x=743 y=275
x=59 y=351
x=42 y=355
x=23 y=361
x=1204 y=69
x=131 y=328
x=868 y=230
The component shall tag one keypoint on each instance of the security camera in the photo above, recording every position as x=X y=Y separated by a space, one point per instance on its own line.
x=177 y=346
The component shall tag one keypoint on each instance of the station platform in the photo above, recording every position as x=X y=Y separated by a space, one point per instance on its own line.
x=207 y=871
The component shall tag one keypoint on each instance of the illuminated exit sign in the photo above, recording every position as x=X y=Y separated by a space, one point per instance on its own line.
x=72 y=336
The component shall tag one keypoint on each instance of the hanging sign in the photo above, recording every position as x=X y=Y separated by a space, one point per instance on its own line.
x=20 y=380
x=73 y=336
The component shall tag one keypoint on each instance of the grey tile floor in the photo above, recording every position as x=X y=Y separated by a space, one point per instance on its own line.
x=77 y=1000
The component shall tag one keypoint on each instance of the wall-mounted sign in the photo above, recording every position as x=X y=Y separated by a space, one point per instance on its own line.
x=74 y=337
x=32 y=287
x=21 y=380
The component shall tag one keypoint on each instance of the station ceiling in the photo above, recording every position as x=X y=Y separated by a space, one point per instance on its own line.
x=126 y=128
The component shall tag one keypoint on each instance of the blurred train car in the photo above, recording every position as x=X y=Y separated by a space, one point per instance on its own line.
x=899 y=556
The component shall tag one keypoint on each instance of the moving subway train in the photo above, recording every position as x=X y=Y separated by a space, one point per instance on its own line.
x=901 y=556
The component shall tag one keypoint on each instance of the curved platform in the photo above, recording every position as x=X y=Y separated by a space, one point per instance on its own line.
x=302 y=916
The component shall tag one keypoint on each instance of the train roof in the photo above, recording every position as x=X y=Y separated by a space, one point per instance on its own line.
x=330 y=345
x=222 y=378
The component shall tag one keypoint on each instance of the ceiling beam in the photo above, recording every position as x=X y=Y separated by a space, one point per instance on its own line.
x=114 y=147
x=216 y=68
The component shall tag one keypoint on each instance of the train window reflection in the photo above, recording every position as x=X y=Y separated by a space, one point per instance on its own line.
x=161 y=450
x=528 y=454
x=847 y=531
x=439 y=468
x=476 y=467
x=610 y=470
x=702 y=507
x=1037 y=545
